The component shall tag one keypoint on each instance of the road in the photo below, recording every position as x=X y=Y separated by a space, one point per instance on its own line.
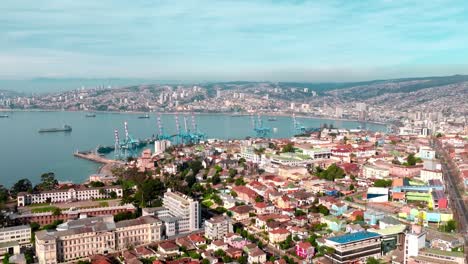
x=450 y=179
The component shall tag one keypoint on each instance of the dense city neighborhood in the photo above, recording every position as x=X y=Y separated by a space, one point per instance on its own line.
x=328 y=196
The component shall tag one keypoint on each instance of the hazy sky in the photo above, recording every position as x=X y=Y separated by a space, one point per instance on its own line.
x=233 y=40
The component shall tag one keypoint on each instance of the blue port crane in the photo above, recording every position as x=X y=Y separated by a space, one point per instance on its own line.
x=127 y=148
x=298 y=127
x=189 y=135
x=161 y=135
x=260 y=130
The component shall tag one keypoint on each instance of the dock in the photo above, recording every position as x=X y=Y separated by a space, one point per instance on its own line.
x=91 y=156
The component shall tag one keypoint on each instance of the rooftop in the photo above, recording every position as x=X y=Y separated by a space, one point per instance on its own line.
x=354 y=237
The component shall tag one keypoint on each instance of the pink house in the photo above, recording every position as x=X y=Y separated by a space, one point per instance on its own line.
x=234 y=240
x=404 y=171
x=304 y=250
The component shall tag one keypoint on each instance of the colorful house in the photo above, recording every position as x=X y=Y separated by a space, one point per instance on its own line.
x=372 y=217
x=278 y=235
x=338 y=209
x=333 y=223
x=411 y=214
x=305 y=250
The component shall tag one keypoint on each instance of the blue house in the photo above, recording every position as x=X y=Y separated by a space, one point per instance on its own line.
x=333 y=223
x=372 y=217
x=338 y=209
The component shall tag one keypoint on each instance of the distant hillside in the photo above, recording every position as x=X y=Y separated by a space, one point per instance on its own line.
x=396 y=86
x=8 y=93
x=344 y=90
x=50 y=85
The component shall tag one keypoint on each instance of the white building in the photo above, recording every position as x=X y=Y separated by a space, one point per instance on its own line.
x=427 y=153
x=218 y=227
x=354 y=247
x=180 y=214
x=377 y=195
x=373 y=172
x=361 y=107
x=185 y=208
x=59 y=196
x=20 y=234
x=427 y=175
x=414 y=241
x=82 y=238
x=160 y=146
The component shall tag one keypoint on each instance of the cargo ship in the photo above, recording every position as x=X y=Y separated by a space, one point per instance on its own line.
x=90 y=115
x=236 y=114
x=272 y=119
x=4 y=116
x=144 y=117
x=66 y=128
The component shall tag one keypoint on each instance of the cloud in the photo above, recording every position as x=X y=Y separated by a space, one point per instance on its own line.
x=217 y=39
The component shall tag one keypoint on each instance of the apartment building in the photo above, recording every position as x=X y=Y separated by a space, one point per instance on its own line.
x=179 y=214
x=185 y=208
x=20 y=234
x=218 y=227
x=374 y=172
x=81 y=238
x=354 y=247
x=58 y=196
x=143 y=230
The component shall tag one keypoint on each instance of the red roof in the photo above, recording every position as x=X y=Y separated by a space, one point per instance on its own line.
x=304 y=245
x=279 y=231
x=247 y=191
x=196 y=238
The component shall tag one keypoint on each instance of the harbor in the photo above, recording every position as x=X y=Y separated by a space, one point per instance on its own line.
x=88 y=133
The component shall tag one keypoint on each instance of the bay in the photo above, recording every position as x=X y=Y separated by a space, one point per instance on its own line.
x=25 y=153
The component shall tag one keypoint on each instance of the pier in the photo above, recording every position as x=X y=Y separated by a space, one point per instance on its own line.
x=91 y=156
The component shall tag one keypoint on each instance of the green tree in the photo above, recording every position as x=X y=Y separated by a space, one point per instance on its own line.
x=450 y=226
x=299 y=212
x=124 y=216
x=190 y=180
x=148 y=191
x=351 y=187
x=34 y=226
x=411 y=160
x=56 y=211
x=218 y=168
x=239 y=181
x=216 y=179
x=196 y=166
x=217 y=199
x=383 y=183
x=23 y=185
x=323 y=210
x=48 y=182
x=113 y=195
x=3 y=195
x=219 y=253
x=259 y=199
x=331 y=173
x=232 y=172
x=288 y=148
x=6 y=258
x=96 y=184
x=372 y=260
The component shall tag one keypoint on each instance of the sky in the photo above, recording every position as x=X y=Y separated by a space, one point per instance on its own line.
x=218 y=40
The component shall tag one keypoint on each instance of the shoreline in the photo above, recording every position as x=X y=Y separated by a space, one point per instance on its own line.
x=278 y=114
